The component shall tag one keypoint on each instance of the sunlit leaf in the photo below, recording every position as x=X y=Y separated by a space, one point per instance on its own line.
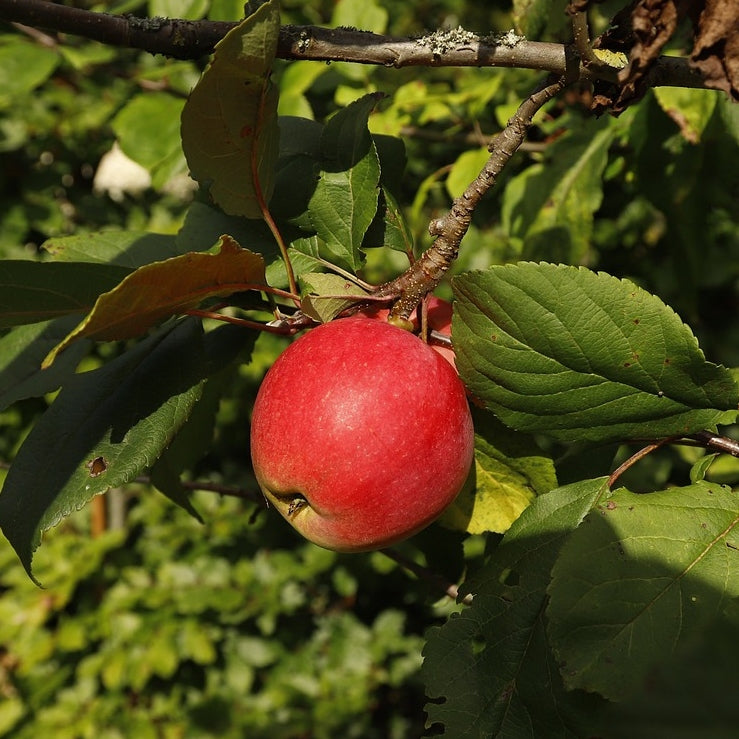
x=510 y=471
x=583 y=356
x=344 y=202
x=325 y=295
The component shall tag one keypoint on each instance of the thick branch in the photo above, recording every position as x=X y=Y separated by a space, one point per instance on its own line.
x=194 y=39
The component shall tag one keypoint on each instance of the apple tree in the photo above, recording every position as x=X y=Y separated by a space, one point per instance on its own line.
x=569 y=187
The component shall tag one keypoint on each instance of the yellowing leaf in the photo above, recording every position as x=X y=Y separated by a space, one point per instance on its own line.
x=162 y=289
x=510 y=471
x=229 y=123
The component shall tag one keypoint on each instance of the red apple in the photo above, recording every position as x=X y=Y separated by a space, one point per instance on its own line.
x=361 y=434
x=439 y=318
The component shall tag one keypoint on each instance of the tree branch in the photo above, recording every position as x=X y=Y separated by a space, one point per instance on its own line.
x=427 y=271
x=194 y=39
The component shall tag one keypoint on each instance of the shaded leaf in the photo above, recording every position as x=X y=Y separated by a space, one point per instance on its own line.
x=489 y=670
x=229 y=123
x=324 y=298
x=691 y=694
x=126 y=248
x=162 y=289
x=643 y=574
x=583 y=356
x=38 y=291
x=510 y=471
x=21 y=353
x=23 y=66
x=123 y=414
x=225 y=348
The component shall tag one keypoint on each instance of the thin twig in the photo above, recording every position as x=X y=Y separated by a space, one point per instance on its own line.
x=634 y=458
x=424 y=573
x=214 y=487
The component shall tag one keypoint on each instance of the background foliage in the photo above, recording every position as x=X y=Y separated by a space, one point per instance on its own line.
x=163 y=626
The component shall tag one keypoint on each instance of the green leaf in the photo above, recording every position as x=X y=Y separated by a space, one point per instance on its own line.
x=225 y=348
x=24 y=65
x=367 y=16
x=488 y=670
x=344 y=202
x=38 y=291
x=465 y=169
x=532 y=16
x=188 y=9
x=643 y=574
x=148 y=131
x=162 y=289
x=510 y=471
x=389 y=227
x=126 y=248
x=324 y=295
x=103 y=429
x=690 y=694
x=583 y=356
x=21 y=352
x=229 y=123
x=690 y=109
x=550 y=205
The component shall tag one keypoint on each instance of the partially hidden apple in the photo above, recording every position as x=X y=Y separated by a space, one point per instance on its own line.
x=361 y=434
x=439 y=314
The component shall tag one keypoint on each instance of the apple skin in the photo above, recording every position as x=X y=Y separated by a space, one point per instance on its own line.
x=439 y=318
x=361 y=434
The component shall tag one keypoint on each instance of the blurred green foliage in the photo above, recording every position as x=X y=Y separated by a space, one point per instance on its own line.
x=235 y=627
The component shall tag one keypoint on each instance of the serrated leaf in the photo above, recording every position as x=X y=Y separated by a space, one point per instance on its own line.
x=103 y=429
x=21 y=352
x=583 y=356
x=225 y=348
x=510 y=471
x=126 y=248
x=344 y=201
x=488 y=670
x=229 y=123
x=550 y=206
x=324 y=295
x=162 y=289
x=38 y=291
x=643 y=574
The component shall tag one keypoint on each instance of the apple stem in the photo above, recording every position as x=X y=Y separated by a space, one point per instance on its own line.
x=424 y=573
x=429 y=269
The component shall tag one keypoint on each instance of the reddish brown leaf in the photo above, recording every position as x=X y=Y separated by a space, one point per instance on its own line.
x=163 y=289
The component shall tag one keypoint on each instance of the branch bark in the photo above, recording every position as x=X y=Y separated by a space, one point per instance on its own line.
x=194 y=39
